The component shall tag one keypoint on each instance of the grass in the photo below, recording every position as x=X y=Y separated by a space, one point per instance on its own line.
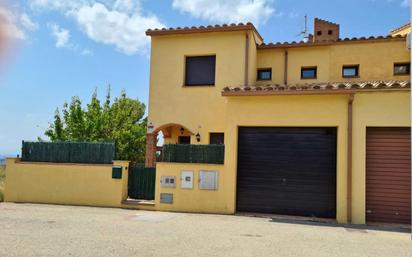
x=2 y=177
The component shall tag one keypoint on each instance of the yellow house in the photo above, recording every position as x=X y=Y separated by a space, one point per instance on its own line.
x=314 y=128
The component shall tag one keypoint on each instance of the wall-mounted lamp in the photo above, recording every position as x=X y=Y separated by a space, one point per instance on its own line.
x=198 y=137
x=182 y=130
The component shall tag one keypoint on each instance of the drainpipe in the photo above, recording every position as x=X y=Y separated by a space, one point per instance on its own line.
x=349 y=158
x=246 y=82
x=285 y=74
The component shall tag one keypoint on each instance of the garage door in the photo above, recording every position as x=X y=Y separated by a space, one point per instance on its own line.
x=287 y=171
x=388 y=175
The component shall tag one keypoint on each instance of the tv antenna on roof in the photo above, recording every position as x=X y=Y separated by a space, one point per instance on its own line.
x=305 y=33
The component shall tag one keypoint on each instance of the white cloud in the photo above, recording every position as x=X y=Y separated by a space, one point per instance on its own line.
x=120 y=23
x=27 y=23
x=256 y=11
x=62 y=36
x=57 y=4
x=14 y=25
x=128 y=6
x=125 y=32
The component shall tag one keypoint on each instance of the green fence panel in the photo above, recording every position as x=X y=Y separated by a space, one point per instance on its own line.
x=182 y=153
x=68 y=152
x=142 y=182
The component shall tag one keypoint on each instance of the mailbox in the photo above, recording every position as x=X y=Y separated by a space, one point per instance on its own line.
x=117 y=172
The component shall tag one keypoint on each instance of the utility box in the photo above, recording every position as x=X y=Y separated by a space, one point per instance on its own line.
x=208 y=179
x=168 y=181
x=117 y=172
x=186 y=179
x=166 y=198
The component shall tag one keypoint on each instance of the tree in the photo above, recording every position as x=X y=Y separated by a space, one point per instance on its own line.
x=120 y=122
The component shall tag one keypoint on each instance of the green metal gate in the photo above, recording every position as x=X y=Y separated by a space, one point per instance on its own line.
x=142 y=182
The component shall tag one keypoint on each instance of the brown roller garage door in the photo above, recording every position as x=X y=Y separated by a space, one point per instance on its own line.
x=388 y=175
x=287 y=171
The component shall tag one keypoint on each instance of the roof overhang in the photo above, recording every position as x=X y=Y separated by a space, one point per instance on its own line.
x=204 y=29
x=319 y=88
x=328 y=43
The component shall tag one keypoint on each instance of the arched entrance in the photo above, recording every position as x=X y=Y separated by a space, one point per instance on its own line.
x=172 y=133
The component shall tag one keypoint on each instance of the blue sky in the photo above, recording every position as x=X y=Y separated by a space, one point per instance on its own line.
x=61 y=48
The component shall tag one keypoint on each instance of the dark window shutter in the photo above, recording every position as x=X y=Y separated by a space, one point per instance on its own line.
x=200 y=70
x=217 y=138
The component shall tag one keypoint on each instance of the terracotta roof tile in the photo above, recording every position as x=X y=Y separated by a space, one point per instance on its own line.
x=200 y=29
x=401 y=27
x=330 y=42
x=319 y=88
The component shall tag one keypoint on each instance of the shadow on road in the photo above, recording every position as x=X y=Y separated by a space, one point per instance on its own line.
x=310 y=221
x=349 y=227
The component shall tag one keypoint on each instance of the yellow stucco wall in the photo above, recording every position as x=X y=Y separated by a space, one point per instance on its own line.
x=196 y=200
x=308 y=57
x=204 y=110
x=372 y=110
x=76 y=184
x=290 y=111
x=175 y=133
x=200 y=109
x=375 y=61
x=275 y=59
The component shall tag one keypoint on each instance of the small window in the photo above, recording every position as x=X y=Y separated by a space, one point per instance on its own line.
x=264 y=74
x=200 y=70
x=401 y=68
x=319 y=33
x=330 y=32
x=184 y=140
x=350 y=71
x=308 y=72
x=217 y=138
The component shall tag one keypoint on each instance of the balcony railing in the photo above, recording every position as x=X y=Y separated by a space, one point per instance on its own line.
x=213 y=154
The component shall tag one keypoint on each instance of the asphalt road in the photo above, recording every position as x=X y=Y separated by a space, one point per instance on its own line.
x=50 y=230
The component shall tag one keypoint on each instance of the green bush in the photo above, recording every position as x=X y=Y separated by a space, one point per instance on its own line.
x=68 y=152
x=194 y=153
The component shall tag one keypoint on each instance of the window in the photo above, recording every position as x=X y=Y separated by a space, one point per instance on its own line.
x=308 y=72
x=401 y=68
x=319 y=33
x=350 y=71
x=330 y=32
x=184 y=140
x=200 y=70
x=264 y=74
x=217 y=138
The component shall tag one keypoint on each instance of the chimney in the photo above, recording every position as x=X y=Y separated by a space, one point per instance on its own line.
x=325 y=31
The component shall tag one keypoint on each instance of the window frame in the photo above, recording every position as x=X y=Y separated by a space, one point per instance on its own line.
x=350 y=66
x=408 y=70
x=302 y=69
x=216 y=133
x=185 y=78
x=180 y=140
x=264 y=70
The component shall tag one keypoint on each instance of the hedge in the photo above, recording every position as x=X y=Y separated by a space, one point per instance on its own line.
x=68 y=152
